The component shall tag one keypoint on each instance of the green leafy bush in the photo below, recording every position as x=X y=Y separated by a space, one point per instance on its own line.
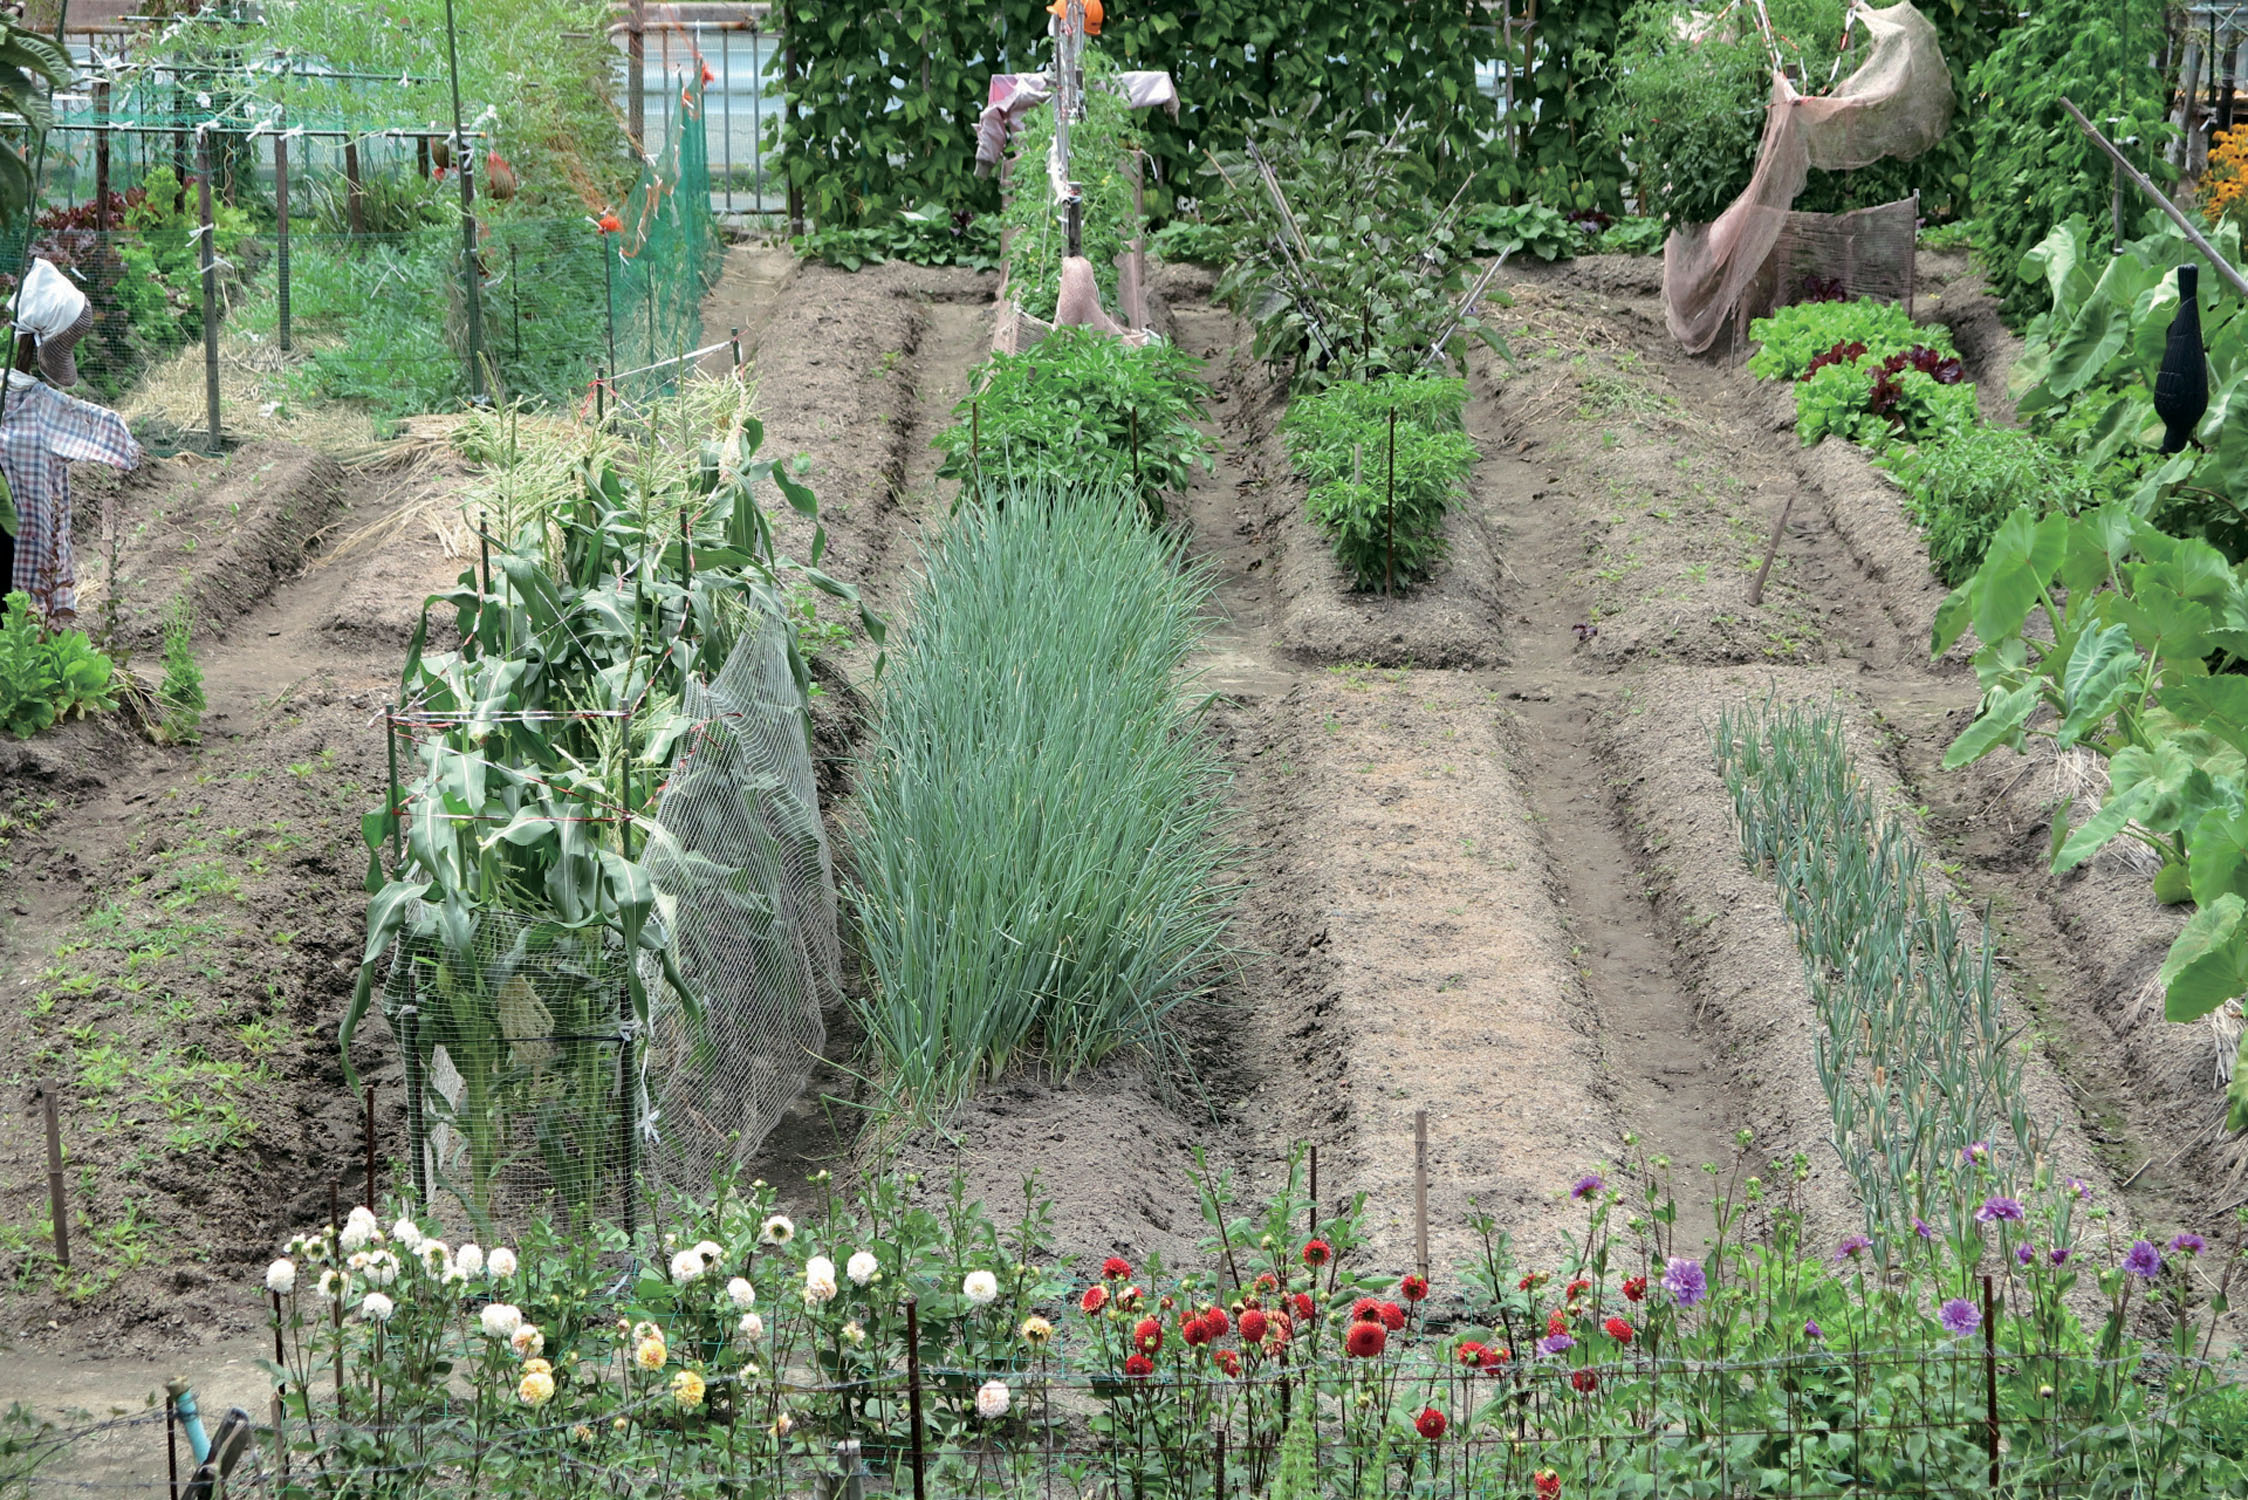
x=1633 y=236
x=2099 y=631
x=46 y=676
x=1529 y=228
x=2086 y=376
x=1187 y=240
x=1081 y=408
x=926 y=236
x=1796 y=335
x=1872 y=406
x=1961 y=485
x=1339 y=440
x=2032 y=168
x=1040 y=849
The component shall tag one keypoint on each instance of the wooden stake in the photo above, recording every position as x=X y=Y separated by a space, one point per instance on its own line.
x=1420 y=1190
x=1315 y=1187
x=1389 y=543
x=58 y=1199
x=1771 y=547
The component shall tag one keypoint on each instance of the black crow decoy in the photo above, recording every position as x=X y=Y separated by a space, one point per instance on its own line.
x=2181 y=387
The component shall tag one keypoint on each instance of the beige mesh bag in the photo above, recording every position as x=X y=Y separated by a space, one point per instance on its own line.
x=1898 y=103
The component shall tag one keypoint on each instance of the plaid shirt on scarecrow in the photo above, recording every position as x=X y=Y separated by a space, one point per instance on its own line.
x=41 y=435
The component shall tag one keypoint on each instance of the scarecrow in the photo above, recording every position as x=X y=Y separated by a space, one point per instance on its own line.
x=42 y=432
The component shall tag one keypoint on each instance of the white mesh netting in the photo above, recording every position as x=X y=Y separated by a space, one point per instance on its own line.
x=746 y=889
x=1897 y=103
x=531 y=1093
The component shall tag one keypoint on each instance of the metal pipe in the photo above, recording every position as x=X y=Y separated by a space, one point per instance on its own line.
x=210 y=290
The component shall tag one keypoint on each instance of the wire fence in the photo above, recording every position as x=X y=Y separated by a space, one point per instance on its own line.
x=1823 y=1426
x=214 y=292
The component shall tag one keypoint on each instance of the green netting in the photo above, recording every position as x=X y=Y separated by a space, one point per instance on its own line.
x=378 y=318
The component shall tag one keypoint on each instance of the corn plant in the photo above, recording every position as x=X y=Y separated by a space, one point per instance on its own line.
x=1040 y=854
x=520 y=886
x=1914 y=1050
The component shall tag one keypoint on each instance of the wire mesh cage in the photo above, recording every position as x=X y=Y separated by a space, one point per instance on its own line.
x=535 y=1088
x=517 y=1038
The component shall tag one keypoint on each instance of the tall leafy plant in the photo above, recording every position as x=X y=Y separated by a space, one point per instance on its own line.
x=2101 y=632
x=32 y=68
x=2032 y=168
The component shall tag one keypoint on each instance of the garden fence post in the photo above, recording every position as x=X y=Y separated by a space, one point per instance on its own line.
x=735 y=338
x=1315 y=1188
x=913 y=1390
x=281 y=231
x=1990 y=1380
x=210 y=287
x=354 y=191
x=469 y=278
x=788 y=126
x=1218 y=1490
x=101 y=158
x=172 y=1441
x=1420 y=1190
x=409 y=1026
x=515 y=288
x=636 y=79
x=58 y=1199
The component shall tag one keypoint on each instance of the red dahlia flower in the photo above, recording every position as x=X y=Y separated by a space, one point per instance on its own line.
x=1618 y=1330
x=1139 y=1367
x=1279 y=1331
x=1635 y=1289
x=1393 y=1316
x=1253 y=1325
x=1366 y=1308
x=1116 y=1268
x=1095 y=1298
x=1557 y=1324
x=1194 y=1331
x=1305 y=1308
x=1365 y=1340
x=1131 y=1296
x=1229 y=1362
x=1413 y=1288
x=1317 y=1253
x=1218 y=1321
x=1147 y=1336
x=1585 y=1381
x=1268 y=1282
x=1430 y=1423
x=1472 y=1355
x=1549 y=1485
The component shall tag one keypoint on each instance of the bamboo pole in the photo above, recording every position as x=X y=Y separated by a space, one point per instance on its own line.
x=2161 y=200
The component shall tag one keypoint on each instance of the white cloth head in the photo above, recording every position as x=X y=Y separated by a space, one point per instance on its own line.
x=48 y=302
